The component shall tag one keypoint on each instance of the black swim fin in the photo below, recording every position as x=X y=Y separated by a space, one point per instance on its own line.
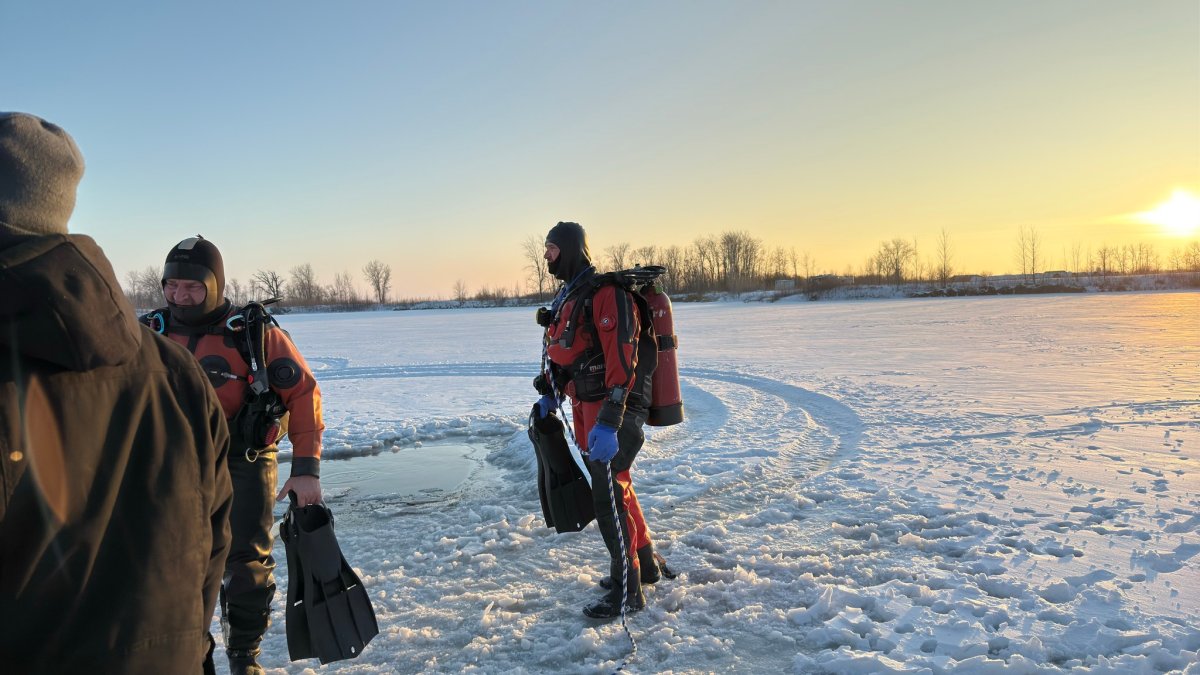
x=329 y=615
x=565 y=493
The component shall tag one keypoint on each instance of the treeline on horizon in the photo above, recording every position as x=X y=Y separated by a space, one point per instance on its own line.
x=731 y=262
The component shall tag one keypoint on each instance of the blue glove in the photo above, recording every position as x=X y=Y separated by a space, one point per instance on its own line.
x=602 y=443
x=546 y=405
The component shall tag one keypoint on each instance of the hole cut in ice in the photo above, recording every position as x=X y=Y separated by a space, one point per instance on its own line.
x=426 y=473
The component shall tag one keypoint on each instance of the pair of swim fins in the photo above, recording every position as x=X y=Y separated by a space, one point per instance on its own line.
x=565 y=493
x=329 y=615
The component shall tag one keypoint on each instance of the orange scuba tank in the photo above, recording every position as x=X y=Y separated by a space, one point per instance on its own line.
x=666 y=402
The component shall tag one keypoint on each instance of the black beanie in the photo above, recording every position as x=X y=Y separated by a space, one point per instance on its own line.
x=197 y=259
x=573 y=254
x=40 y=167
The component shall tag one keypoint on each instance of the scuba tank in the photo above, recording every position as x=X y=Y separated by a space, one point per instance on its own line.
x=666 y=402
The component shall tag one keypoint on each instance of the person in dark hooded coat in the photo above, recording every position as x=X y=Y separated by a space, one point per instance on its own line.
x=608 y=390
x=114 y=491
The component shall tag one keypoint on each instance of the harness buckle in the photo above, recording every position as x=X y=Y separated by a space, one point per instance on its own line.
x=158 y=323
x=236 y=323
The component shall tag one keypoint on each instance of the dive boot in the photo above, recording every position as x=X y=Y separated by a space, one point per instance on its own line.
x=244 y=662
x=608 y=606
x=653 y=565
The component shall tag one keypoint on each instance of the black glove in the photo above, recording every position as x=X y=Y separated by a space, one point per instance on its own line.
x=542 y=386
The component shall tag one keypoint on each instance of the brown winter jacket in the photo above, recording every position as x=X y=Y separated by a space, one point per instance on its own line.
x=114 y=490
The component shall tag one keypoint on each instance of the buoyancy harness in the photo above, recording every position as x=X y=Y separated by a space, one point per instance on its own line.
x=657 y=384
x=262 y=419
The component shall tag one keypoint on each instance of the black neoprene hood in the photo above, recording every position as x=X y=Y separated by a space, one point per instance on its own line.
x=197 y=259
x=573 y=254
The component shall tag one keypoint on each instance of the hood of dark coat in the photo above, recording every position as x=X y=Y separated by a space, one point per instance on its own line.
x=60 y=303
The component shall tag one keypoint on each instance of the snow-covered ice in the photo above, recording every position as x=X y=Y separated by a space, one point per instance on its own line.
x=963 y=485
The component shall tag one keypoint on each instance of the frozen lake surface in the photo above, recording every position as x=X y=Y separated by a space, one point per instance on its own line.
x=960 y=485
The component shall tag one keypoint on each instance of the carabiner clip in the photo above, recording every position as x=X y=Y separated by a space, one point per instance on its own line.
x=236 y=318
x=254 y=458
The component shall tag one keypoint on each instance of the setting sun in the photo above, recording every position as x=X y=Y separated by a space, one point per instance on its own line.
x=1179 y=215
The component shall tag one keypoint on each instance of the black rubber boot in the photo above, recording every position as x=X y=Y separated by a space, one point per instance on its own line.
x=244 y=662
x=245 y=617
x=609 y=604
x=648 y=560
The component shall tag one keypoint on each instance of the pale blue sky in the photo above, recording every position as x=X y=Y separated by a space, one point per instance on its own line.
x=437 y=136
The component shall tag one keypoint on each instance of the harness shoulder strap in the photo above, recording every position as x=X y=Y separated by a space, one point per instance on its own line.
x=253 y=320
x=645 y=316
x=578 y=316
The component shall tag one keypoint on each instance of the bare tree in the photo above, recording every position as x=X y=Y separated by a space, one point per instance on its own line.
x=1076 y=260
x=1029 y=252
x=918 y=270
x=533 y=249
x=894 y=260
x=808 y=264
x=1022 y=252
x=151 y=284
x=873 y=268
x=267 y=283
x=708 y=264
x=460 y=290
x=945 y=254
x=379 y=278
x=1120 y=260
x=1037 y=253
x=235 y=292
x=490 y=295
x=672 y=257
x=616 y=255
x=741 y=256
x=342 y=291
x=645 y=255
x=144 y=288
x=305 y=289
x=1146 y=260
x=1191 y=257
x=777 y=262
x=1105 y=260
